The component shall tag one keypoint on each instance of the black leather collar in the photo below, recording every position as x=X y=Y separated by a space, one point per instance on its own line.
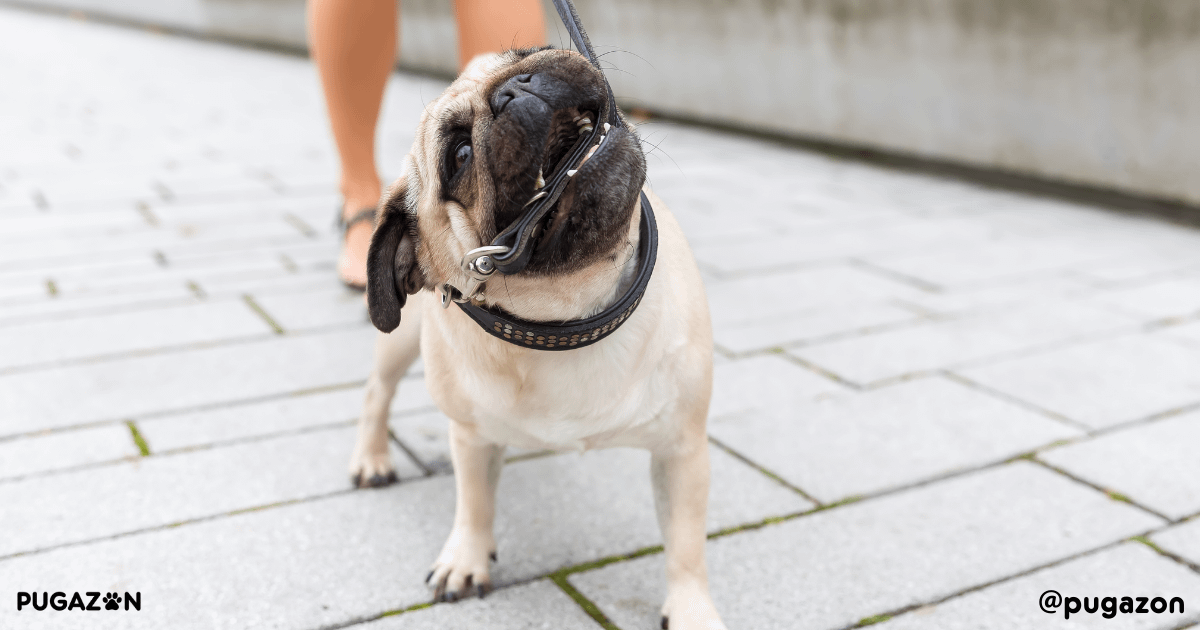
x=580 y=332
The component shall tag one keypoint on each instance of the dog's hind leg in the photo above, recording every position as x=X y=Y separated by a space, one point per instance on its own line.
x=370 y=465
x=462 y=567
x=679 y=473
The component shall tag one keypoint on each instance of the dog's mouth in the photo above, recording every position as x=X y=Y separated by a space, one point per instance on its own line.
x=569 y=129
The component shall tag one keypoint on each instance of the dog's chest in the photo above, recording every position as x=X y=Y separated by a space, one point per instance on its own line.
x=560 y=402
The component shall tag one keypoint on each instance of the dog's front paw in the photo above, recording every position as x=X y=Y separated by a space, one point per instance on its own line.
x=371 y=470
x=461 y=569
x=690 y=608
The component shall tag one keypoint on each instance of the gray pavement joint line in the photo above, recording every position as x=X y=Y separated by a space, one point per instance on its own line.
x=895 y=276
x=1136 y=422
x=85 y=311
x=916 y=321
x=39 y=200
x=262 y=312
x=231 y=244
x=189 y=521
x=816 y=369
x=1111 y=494
x=769 y=270
x=581 y=600
x=196 y=289
x=765 y=471
x=188 y=409
x=884 y=616
x=1123 y=330
x=1027 y=351
x=133 y=354
x=1167 y=554
x=1167 y=323
x=138 y=305
x=164 y=193
x=994 y=393
x=412 y=456
x=249 y=439
x=147 y=213
x=299 y=224
x=288 y=263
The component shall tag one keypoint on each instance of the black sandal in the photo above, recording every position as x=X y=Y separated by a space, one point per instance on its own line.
x=344 y=225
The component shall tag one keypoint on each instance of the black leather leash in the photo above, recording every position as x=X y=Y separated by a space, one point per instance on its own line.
x=510 y=251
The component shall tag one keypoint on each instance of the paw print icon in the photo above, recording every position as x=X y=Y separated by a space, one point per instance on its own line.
x=110 y=601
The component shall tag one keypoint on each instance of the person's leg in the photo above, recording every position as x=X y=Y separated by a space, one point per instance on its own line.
x=353 y=43
x=496 y=25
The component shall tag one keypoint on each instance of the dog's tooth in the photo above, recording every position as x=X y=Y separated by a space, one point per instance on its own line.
x=572 y=173
x=583 y=121
x=607 y=127
x=586 y=129
x=541 y=182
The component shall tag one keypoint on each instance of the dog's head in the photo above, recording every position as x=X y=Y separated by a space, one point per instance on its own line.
x=482 y=150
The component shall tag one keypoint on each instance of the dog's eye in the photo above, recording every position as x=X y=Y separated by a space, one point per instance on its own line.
x=461 y=155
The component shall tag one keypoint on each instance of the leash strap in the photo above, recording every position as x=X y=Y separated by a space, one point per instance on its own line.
x=580 y=332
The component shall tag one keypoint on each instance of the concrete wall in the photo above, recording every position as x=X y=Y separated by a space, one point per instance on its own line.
x=1097 y=92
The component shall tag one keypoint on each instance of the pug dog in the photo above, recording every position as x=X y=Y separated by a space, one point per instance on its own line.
x=483 y=149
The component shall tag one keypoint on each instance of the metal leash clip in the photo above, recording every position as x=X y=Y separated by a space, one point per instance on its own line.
x=478 y=267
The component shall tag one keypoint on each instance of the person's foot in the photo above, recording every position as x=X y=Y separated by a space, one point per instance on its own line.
x=359 y=224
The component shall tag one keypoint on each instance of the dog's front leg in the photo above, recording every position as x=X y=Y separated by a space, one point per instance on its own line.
x=679 y=473
x=370 y=464
x=462 y=567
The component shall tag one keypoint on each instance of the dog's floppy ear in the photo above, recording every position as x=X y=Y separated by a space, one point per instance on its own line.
x=392 y=269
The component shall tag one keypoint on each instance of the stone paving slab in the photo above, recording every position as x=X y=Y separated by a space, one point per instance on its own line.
x=44 y=307
x=531 y=606
x=44 y=512
x=843 y=445
x=1183 y=540
x=281 y=415
x=834 y=568
x=1128 y=570
x=945 y=344
x=836 y=243
x=1052 y=287
x=119 y=389
x=1187 y=332
x=128 y=333
x=1155 y=464
x=1174 y=297
x=358 y=554
x=328 y=306
x=764 y=383
x=1103 y=383
x=763 y=311
x=993 y=262
x=55 y=451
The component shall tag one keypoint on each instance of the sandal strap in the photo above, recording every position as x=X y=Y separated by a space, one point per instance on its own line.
x=362 y=215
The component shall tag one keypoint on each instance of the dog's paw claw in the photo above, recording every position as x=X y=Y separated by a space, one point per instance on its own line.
x=372 y=470
x=461 y=569
x=665 y=623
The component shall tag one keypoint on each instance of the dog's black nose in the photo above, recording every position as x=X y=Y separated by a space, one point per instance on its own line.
x=553 y=91
x=509 y=91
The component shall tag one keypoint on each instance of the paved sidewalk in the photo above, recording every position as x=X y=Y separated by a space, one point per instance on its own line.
x=933 y=401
